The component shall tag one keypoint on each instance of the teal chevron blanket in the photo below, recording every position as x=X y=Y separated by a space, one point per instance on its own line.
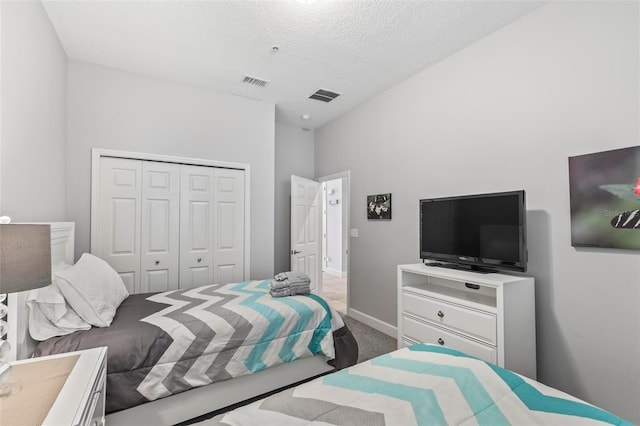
x=420 y=385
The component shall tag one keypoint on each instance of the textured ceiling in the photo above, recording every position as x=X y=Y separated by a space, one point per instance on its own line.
x=355 y=48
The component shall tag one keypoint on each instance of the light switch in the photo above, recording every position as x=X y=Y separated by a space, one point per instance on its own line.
x=354 y=232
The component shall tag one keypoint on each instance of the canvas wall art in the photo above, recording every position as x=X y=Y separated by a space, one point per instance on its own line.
x=379 y=206
x=605 y=199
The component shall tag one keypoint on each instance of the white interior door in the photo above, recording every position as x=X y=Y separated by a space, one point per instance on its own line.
x=119 y=218
x=196 y=227
x=305 y=228
x=323 y=192
x=332 y=232
x=160 y=226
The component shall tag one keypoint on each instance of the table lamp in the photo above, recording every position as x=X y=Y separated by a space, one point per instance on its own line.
x=25 y=264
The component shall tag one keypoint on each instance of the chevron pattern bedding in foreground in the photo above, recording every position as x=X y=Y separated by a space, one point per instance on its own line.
x=221 y=332
x=165 y=343
x=420 y=385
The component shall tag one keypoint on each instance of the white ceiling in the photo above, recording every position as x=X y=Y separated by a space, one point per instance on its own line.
x=355 y=48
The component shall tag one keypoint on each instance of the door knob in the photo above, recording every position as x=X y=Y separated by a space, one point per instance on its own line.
x=296 y=251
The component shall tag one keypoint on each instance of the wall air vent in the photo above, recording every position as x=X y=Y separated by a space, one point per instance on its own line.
x=324 y=95
x=255 y=81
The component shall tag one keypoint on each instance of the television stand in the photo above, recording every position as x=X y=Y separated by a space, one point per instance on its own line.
x=489 y=316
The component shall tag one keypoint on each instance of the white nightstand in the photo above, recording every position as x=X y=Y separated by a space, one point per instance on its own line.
x=80 y=401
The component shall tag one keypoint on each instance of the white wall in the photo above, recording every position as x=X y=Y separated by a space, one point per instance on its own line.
x=504 y=114
x=33 y=99
x=294 y=156
x=118 y=110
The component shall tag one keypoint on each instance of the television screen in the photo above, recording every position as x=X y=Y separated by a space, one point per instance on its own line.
x=604 y=190
x=486 y=230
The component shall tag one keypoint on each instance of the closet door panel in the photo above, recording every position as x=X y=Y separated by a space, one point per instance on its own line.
x=227 y=274
x=228 y=234
x=119 y=218
x=129 y=280
x=158 y=280
x=199 y=220
x=196 y=225
x=160 y=226
x=196 y=277
x=124 y=216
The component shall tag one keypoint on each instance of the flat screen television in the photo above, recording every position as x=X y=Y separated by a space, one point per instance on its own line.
x=481 y=232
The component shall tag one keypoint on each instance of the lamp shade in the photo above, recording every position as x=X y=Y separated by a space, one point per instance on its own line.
x=25 y=257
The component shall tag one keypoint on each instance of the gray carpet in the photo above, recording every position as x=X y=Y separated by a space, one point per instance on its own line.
x=371 y=342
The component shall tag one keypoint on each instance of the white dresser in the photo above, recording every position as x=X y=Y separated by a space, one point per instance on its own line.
x=489 y=316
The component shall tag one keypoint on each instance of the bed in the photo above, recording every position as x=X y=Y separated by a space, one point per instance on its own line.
x=176 y=355
x=419 y=385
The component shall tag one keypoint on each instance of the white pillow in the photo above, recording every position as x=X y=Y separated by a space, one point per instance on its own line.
x=50 y=316
x=93 y=289
x=50 y=301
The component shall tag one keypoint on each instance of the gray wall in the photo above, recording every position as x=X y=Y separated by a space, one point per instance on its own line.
x=118 y=110
x=504 y=114
x=33 y=98
x=294 y=156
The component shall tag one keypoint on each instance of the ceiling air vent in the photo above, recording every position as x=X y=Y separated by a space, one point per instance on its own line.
x=324 y=95
x=255 y=81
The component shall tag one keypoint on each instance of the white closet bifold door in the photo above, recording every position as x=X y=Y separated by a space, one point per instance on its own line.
x=160 y=227
x=196 y=226
x=228 y=229
x=165 y=225
x=119 y=218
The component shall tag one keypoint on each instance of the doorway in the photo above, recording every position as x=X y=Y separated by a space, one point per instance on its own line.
x=334 y=190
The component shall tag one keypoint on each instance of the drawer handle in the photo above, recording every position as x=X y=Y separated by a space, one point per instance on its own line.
x=199 y=259
x=157 y=262
x=440 y=341
x=441 y=314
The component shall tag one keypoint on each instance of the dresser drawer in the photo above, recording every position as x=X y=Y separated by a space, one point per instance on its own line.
x=93 y=414
x=474 y=323
x=419 y=331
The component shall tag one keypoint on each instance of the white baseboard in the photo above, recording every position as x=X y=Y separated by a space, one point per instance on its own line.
x=381 y=326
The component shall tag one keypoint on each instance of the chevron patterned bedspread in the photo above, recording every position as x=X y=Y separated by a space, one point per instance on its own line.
x=165 y=343
x=419 y=385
